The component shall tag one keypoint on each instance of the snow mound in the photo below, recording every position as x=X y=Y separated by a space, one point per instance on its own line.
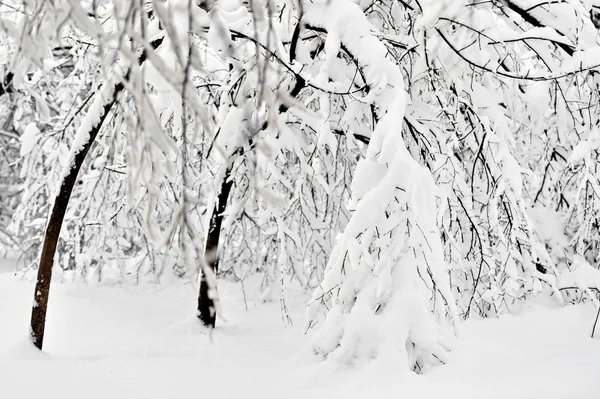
x=583 y=276
x=24 y=349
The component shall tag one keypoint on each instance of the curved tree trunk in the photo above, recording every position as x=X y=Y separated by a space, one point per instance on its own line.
x=61 y=201
x=107 y=97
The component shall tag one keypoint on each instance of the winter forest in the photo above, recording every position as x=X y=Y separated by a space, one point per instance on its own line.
x=299 y=198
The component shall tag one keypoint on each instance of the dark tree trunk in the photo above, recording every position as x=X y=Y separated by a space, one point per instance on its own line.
x=206 y=308
x=61 y=201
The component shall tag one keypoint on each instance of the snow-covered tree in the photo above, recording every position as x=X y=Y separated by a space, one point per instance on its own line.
x=475 y=76
x=398 y=157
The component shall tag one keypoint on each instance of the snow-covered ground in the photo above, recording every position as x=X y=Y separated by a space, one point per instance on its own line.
x=140 y=342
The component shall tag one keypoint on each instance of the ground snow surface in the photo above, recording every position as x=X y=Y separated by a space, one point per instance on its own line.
x=140 y=342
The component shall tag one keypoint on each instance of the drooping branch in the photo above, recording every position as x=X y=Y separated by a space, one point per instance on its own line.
x=529 y=18
x=498 y=72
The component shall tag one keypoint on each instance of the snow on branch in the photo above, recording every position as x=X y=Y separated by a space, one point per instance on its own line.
x=390 y=256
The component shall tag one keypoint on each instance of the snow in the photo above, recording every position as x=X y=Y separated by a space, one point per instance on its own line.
x=29 y=139
x=219 y=35
x=404 y=195
x=143 y=342
x=583 y=149
x=550 y=225
x=475 y=124
x=582 y=275
x=544 y=33
x=94 y=115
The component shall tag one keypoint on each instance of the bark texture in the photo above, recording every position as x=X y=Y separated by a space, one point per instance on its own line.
x=61 y=201
x=206 y=308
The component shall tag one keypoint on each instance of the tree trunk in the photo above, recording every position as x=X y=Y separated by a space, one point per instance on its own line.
x=206 y=309
x=61 y=201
